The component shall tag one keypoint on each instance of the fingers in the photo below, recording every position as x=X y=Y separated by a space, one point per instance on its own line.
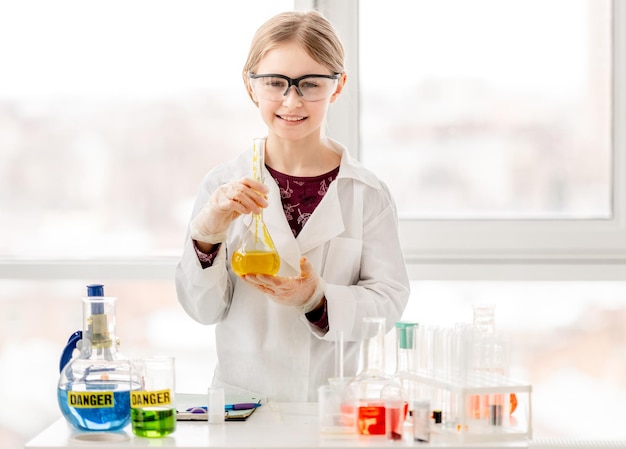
x=273 y=283
x=287 y=291
x=306 y=269
x=260 y=284
x=244 y=196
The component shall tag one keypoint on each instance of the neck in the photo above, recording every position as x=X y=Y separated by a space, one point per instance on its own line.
x=303 y=158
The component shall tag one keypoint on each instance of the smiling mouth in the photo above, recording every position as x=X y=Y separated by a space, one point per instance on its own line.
x=291 y=118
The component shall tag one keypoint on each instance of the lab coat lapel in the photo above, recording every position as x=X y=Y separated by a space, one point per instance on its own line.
x=325 y=222
x=285 y=242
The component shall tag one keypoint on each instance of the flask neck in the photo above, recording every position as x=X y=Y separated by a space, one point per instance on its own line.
x=373 y=346
x=99 y=323
x=258 y=159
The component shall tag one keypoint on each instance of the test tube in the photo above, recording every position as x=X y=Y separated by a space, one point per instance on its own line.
x=339 y=354
x=462 y=349
x=424 y=348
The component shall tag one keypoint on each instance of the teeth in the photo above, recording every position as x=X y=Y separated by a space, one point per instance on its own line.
x=291 y=119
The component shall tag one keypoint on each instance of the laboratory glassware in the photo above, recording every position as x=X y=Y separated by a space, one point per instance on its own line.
x=335 y=417
x=216 y=402
x=94 y=387
x=153 y=408
x=256 y=253
x=367 y=386
x=421 y=421
x=491 y=358
x=400 y=390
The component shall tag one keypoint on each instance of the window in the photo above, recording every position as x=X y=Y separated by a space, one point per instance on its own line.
x=504 y=161
x=493 y=115
x=111 y=114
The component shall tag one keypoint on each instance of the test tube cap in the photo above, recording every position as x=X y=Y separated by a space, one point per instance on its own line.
x=95 y=290
x=404 y=330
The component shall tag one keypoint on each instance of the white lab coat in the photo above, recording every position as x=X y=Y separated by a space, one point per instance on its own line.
x=351 y=240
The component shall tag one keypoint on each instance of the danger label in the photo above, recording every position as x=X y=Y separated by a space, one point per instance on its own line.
x=150 y=398
x=87 y=399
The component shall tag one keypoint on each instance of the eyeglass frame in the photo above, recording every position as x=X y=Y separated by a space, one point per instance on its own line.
x=293 y=81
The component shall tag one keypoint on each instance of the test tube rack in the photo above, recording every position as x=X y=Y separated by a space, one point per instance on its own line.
x=476 y=407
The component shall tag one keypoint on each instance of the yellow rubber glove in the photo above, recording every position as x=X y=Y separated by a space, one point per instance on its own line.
x=305 y=291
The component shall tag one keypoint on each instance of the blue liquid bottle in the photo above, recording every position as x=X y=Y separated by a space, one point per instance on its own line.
x=94 y=387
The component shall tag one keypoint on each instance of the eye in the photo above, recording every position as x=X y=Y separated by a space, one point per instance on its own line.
x=309 y=84
x=276 y=83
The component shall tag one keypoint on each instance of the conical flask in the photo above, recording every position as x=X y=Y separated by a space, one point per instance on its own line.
x=400 y=390
x=257 y=253
x=367 y=386
x=94 y=387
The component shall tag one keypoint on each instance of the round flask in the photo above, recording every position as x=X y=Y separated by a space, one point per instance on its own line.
x=94 y=387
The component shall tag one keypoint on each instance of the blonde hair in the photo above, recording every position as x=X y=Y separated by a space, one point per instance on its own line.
x=309 y=29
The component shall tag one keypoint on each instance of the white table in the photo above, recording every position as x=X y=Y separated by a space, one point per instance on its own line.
x=274 y=425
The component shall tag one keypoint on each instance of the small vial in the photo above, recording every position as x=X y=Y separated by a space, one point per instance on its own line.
x=496 y=414
x=421 y=421
x=216 y=406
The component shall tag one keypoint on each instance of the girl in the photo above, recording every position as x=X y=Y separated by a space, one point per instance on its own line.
x=332 y=221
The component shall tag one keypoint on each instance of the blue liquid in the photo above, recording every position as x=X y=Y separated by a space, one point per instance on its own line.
x=93 y=418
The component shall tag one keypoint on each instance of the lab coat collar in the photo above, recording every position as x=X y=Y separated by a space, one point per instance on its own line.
x=325 y=222
x=351 y=168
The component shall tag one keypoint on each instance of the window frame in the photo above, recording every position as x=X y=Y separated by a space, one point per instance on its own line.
x=439 y=249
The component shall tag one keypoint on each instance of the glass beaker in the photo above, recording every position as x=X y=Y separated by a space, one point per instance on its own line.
x=257 y=253
x=153 y=408
x=94 y=388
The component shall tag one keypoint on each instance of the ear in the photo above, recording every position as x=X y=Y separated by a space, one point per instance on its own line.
x=340 y=85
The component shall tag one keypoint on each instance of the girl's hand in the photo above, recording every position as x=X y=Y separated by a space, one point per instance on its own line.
x=305 y=291
x=229 y=201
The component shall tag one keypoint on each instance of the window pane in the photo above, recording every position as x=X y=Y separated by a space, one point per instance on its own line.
x=110 y=115
x=489 y=109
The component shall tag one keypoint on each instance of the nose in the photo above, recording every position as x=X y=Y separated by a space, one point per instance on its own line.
x=292 y=98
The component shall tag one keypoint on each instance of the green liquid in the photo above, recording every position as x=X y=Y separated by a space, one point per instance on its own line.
x=153 y=423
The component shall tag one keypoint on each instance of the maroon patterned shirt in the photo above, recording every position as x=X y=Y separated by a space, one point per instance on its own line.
x=300 y=196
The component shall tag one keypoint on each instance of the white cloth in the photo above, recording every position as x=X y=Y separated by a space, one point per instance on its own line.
x=351 y=240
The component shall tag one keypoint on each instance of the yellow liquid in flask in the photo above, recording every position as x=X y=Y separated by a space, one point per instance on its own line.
x=255 y=262
x=257 y=253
